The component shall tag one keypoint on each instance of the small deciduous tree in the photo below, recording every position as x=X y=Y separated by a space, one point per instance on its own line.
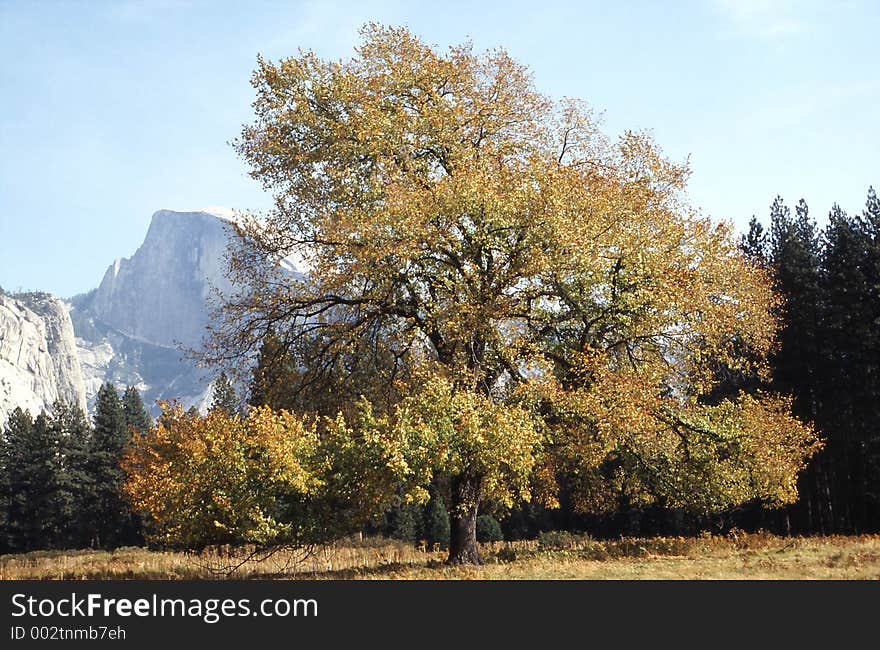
x=224 y=479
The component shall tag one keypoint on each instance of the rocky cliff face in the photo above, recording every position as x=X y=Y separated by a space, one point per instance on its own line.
x=158 y=372
x=133 y=329
x=38 y=354
x=159 y=294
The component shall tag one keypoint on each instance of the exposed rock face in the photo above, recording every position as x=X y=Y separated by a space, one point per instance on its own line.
x=133 y=328
x=38 y=355
x=159 y=294
x=158 y=372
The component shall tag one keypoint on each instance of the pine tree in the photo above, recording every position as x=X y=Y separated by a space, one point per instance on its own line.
x=38 y=469
x=45 y=485
x=73 y=485
x=32 y=462
x=795 y=261
x=489 y=529
x=851 y=316
x=755 y=242
x=293 y=376
x=845 y=289
x=134 y=411
x=437 y=526
x=403 y=522
x=16 y=446
x=225 y=397
x=868 y=474
x=111 y=522
x=869 y=317
x=5 y=494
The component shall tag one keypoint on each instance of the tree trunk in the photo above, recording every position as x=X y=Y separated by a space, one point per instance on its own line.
x=466 y=492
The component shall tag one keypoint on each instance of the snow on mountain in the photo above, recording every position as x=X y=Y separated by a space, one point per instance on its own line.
x=219 y=211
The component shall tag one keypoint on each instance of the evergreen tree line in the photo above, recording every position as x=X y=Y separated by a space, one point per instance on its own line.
x=60 y=479
x=828 y=357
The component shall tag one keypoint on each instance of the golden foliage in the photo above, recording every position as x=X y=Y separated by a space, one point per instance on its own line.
x=449 y=431
x=222 y=479
x=566 y=305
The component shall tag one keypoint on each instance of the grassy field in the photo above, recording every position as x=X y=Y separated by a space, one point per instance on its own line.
x=555 y=556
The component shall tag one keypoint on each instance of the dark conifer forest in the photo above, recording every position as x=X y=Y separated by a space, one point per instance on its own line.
x=60 y=478
x=828 y=357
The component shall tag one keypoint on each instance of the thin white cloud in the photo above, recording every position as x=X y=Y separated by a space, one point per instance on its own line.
x=330 y=28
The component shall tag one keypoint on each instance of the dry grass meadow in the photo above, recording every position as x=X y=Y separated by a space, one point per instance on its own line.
x=556 y=556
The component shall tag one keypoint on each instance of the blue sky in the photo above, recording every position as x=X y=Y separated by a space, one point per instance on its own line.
x=110 y=111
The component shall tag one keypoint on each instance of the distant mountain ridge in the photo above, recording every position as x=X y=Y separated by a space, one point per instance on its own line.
x=158 y=295
x=130 y=330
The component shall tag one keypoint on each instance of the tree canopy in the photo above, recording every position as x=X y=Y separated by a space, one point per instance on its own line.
x=542 y=296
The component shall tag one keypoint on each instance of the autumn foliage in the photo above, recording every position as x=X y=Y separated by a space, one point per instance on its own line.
x=223 y=479
x=540 y=297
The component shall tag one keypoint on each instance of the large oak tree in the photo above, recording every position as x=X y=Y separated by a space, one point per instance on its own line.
x=556 y=305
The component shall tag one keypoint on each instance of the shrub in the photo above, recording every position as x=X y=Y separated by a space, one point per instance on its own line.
x=221 y=479
x=556 y=540
x=488 y=529
x=402 y=522
x=437 y=528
